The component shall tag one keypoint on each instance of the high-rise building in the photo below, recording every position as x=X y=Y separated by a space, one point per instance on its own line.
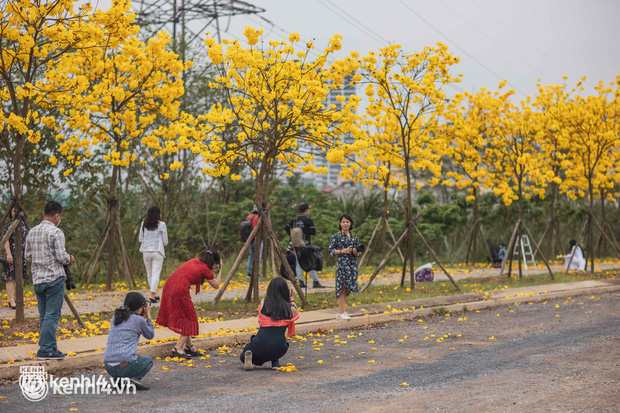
x=332 y=178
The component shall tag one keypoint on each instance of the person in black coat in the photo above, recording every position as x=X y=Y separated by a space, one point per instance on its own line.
x=306 y=224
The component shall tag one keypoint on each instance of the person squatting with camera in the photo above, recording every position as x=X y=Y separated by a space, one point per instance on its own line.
x=129 y=322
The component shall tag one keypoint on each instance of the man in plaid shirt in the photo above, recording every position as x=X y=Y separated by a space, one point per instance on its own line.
x=45 y=247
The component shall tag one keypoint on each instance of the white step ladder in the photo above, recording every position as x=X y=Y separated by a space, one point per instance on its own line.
x=526 y=251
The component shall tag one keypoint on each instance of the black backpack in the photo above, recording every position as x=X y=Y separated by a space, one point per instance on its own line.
x=245 y=228
x=310 y=257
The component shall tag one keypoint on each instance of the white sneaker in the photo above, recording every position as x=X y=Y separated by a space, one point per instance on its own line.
x=343 y=316
x=247 y=364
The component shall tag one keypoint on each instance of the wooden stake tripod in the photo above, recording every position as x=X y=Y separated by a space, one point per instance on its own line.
x=514 y=239
x=112 y=228
x=552 y=227
x=383 y=220
x=409 y=233
x=606 y=226
x=18 y=264
x=475 y=229
x=263 y=225
x=614 y=246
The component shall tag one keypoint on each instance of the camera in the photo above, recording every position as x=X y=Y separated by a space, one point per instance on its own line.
x=361 y=249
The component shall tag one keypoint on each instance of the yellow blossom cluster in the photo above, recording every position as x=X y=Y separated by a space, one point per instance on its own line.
x=274 y=109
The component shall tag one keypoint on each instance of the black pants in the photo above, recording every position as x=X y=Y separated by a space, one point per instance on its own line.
x=269 y=344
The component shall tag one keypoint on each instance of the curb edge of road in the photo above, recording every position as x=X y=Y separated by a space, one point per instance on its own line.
x=95 y=359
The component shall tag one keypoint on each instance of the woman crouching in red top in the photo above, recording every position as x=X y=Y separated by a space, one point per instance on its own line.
x=277 y=313
x=177 y=310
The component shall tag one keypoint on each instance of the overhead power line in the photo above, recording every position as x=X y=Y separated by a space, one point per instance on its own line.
x=465 y=52
x=355 y=23
x=491 y=39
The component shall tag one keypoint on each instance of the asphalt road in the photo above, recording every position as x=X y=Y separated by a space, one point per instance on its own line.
x=561 y=355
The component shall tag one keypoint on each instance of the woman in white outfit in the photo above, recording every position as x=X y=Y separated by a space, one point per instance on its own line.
x=579 y=261
x=153 y=238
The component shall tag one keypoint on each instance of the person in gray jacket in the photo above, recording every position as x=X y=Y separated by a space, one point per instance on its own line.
x=126 y=327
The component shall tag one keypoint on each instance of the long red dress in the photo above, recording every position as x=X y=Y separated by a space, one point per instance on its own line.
x=177 y=310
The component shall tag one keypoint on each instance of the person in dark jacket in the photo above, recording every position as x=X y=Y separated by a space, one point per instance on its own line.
x=306 y=224
x=292 y=261
x=253 y=218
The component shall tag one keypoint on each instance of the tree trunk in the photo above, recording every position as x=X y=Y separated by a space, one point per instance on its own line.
x=520 y=232
x=113 y=212
x=409 y=216
x=19 y=257
x=19 y=277
x=591 y=228
x=474 y=234
x=383 y=235
x=554 y=192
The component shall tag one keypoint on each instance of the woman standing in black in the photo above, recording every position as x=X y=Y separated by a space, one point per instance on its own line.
x=277 y=313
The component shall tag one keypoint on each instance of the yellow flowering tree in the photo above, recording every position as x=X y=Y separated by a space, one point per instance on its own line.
x=35 y=35
x=515 y=163
x=113 y=95
x=274 y=112
x=406 y=100
x=372 y=166
x=467 y=126
x=554 y=141
x=591 y=163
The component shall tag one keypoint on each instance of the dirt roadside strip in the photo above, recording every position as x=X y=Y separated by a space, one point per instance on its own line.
x=90 y=350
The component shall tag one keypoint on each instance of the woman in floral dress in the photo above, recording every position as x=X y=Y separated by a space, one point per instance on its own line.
x=345 y=246
x=8 y=271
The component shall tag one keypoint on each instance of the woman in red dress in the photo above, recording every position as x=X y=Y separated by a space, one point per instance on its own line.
x=177 y=310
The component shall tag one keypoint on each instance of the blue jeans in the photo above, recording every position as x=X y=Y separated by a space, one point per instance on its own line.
x=49 y=300
x=300 y=272
x=134 y=370
x=251 y=256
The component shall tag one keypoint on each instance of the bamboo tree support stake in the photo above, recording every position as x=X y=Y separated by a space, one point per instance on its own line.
x=428 y=247
x=372 y=237
x=613 y=246
x=389 y=228
x=253 y=287
x=9 y=232
x=74 y=311
x=469 y=233
x=572 y=254
x=274 y=270
x=95 y=257
x=509 y=251
x=19 y=276
x=289 y=270
x=385 y=260
x=611 y=232
x=7 y=214
x=124 y=258
x=541 y=253
x=540 y=241
x=484 y=240
x=235 y=266
x=559 y=238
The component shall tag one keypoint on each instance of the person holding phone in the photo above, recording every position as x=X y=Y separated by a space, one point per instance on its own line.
x=276 y=314
x=129 y=322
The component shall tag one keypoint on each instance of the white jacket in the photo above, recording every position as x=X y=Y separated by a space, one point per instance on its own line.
x=154 y=240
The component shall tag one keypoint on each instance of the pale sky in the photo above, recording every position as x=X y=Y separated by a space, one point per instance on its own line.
x=519 y=40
